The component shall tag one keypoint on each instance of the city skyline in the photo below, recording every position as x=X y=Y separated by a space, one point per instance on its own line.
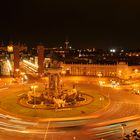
x=90 y=24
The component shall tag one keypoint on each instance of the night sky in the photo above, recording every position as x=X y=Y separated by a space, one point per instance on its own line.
x=86 y=23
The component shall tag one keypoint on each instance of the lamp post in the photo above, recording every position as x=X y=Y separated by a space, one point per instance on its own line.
x=99 y=74
x=122 y=126
x=33 y=87
x=22 y=76
x=17 y=72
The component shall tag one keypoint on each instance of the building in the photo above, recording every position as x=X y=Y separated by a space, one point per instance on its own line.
x=120 y=70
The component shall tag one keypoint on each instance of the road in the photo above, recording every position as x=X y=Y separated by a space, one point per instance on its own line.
x=123 y=106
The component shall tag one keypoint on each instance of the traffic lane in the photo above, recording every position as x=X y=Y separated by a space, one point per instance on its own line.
x=46 y=134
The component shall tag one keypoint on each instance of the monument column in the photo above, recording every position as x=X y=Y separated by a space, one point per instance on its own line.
x=16 y=57
x=40 y=51
x=16 y=50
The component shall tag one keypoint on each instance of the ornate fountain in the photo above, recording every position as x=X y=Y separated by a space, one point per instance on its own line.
x=55 y=95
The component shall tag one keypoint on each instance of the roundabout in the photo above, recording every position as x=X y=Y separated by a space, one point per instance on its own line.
x=13 y=103
x=34 y=120
x=54 y=98
x=48 y=105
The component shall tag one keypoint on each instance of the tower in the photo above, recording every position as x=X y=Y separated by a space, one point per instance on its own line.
x=40 y=51
x=16 y=57
x=66 y=44
x=16 y=51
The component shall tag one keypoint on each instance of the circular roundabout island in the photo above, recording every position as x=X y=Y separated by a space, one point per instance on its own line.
x=52 y=100
x=29 y=102
x=46 y=99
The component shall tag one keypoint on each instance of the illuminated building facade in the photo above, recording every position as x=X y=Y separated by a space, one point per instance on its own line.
x=90 y=69
x=121 y=70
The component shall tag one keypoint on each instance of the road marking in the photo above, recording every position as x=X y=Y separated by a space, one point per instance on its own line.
x=46 y=130
x=4 y=88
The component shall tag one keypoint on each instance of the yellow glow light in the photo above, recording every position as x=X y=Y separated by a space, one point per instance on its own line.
x=136 y=70
x=10 y=48
x=63 y=72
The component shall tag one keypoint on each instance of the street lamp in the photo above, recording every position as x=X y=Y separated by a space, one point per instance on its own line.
x=122 y=126
x=63 y=72
x=10 y=48
x=22 y=76
x=17 y=72
x=120 y=73
x=33 y=87
x=10 y=51
x=136 y=71
x=99 y=74
x=22 y=73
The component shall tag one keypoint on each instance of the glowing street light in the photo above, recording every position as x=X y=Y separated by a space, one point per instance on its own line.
x=63 y=72
x=120 y=72
x=101 y=83
x=17 y=72
x=99 y=74
x=34 y=87
x=136 y=70
x=22 y=73
x=112 y=50
x=10 y=48
x=23 y=76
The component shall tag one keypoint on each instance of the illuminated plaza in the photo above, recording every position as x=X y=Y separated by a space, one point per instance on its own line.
x=85 y=100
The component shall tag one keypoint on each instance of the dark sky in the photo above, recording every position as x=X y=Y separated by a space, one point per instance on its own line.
x=86 y=23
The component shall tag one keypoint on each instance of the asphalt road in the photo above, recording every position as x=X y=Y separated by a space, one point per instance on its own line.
x=123 y=106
